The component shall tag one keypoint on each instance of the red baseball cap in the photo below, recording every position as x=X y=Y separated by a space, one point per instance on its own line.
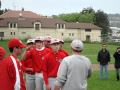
x=2 y=51
x=15 y=42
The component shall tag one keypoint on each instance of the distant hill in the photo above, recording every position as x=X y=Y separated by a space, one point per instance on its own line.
x=114 y=20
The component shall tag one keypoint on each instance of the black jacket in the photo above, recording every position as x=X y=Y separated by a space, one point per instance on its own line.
x=117 y=59
x=103 y=57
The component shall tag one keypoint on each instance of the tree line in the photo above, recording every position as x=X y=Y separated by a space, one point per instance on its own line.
x=89 y=15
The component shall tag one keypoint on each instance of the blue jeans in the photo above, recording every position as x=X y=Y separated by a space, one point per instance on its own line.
x=104 y=75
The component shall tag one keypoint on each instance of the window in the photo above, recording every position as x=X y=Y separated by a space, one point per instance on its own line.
x=11 y=33
x=12 y=25
x=60 y=26
x=72 y=34
x=37 y=25
x=62 y=34
x=1 y=34
x=87 y=30
x=69 y=34
x=23 y=32
x=14 y=33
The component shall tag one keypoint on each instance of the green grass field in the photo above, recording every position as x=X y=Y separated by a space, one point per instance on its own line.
x=94 y=83
x=90 y=50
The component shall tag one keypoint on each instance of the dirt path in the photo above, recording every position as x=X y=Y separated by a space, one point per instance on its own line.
x=95 y=67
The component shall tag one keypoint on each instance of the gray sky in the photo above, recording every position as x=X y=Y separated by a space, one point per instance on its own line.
x=55 y=7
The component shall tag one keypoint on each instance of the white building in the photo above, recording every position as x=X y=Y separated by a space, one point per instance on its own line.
x=25 y=24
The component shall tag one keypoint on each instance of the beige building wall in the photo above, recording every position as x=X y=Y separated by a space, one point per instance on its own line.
x=68 y=34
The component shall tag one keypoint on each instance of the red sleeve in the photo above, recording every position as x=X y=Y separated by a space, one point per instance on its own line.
x=28 y=54
x=23 y=65
x=11 y=72
x=45 y=76
x=65 y=52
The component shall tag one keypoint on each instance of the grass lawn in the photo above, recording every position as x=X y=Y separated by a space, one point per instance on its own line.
x=90 y=50
x=94 y=83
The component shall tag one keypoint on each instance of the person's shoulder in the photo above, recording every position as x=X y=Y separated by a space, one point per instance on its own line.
x=8 y=61
x=85 y=58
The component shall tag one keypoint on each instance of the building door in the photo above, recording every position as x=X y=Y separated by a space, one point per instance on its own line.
x=88 y=38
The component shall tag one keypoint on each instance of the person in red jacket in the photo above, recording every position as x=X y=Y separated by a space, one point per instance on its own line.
x=61 y=48
x=37 y=55
x=13 y=74
x=3 y=73
x=47 y=40
x=27 y=65
x=51 y=64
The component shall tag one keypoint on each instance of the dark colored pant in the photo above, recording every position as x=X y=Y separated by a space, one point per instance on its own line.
x=117 y=73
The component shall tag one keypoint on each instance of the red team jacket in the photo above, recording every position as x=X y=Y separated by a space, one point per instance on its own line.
x=37 y=57
x=27 y=63
x=9 y=78
x=51 y=64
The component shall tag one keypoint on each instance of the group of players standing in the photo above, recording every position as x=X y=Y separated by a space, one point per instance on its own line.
x=40 y=62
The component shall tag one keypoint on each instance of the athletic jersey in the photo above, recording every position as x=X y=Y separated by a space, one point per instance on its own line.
x=27 y=63
x=11 y=74
x=64 y=51
x=51 y=64
x=37 y=56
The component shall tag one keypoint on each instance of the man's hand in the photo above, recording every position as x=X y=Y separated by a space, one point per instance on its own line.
x=29 y=70
x=48 y=87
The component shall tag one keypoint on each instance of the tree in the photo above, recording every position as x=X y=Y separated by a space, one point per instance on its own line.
x=3 y=11
x=87 y=16
x=101 y=20
x=72 y=17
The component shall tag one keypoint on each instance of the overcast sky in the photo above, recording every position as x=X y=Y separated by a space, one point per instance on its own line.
x=55 y=7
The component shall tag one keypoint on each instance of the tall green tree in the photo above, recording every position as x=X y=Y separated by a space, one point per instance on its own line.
x=101 y=20
x=87 y=15
x=71 y=17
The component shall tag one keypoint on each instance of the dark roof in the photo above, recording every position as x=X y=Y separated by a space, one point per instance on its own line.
x=28 y=18
x=82 y=26
x=28 y=22
x=13 y=13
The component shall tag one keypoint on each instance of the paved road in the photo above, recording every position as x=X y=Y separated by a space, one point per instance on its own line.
x=95 y=67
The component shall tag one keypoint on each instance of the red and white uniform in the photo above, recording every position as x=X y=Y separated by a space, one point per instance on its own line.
x=11 y=74
x=27 y=63
x=37 y=56
x=51 y=64
x=64 y=51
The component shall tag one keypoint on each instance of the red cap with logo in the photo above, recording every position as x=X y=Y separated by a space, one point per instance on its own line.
x=15 y=42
